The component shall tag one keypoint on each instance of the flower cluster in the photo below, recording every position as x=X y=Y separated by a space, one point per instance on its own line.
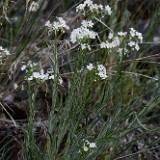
x=89 y=145
x=122 y=51
x=100 y=70
x=90 y=66
x=112 y=42
x=3 y=53
x=33 y=7
x=85 y=46
x=83 y=32
x=88 y=5
x=119 y=40
x=42 y=76
x=135 y=38
x=28 y=66
x=56 y=26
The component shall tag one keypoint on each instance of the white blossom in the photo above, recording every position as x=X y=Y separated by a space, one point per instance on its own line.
x=88 y=5
x=82 y=33
x=92 y=145
x=122 y=51
x=60 y=24
x=4 y=52
x=23 y=67
x=101 y=71
x=85 y=46
x=87 y=23
x=122 y=34
x=90 y=66
x=131 y=43
x=103 y=45
x=89 y=145
x=108 y=9
x=137 y=47
x=33 y=7
x=110 y=36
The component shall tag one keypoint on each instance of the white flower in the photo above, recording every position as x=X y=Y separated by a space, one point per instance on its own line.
x=60 y=80
x=33 y=7
x=122 y=34
x=131 y=43
x=140 y=37
x=85 y=46
x=89 y=6
x=87 y=23
x=85 y=148
x=88 y=145
x=80 y=7
x=15 y=85
x=101 y=71
x=51 y=77
x=132 y=32
x=57 y=25
x=48 y=24
x=103 y=45
x=4 y=52
x=88 y=2
x=108 y=9
x=110 y=36
x=92 y=145
x=23 y=67
x=1 y=48
x=82 y=33
x=122 y=51
x=137 y=47
x=90 y=66
x=30 y=78
x=115 y=42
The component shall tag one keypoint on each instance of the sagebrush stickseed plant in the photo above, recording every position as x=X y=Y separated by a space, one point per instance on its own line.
x=77 y=85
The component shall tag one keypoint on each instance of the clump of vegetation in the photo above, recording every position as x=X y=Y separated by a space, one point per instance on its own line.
x=80 y=85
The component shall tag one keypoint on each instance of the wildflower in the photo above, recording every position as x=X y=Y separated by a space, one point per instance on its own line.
x=102 y=72
x=30 y=78
x=51 y=77
x=60 y=80
x=139 y=36
x=87 y=23
x=15 y=85
x=80 y=8
x=56 y=26
x=33 y=7
x=92 y=145
x=137 y=47
x=132 y=32
x=89 y=145
x=23 y=67
x=4 y=52
x=82 y=33
x=85 y=46
x=110 y=36
x=88 y=5
x=114 y=43
x=131 y=43
x=108 y=10
x=90 y=66
x=122 y=34
x=30 y=64
x=103 y=45
x=122 y=51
